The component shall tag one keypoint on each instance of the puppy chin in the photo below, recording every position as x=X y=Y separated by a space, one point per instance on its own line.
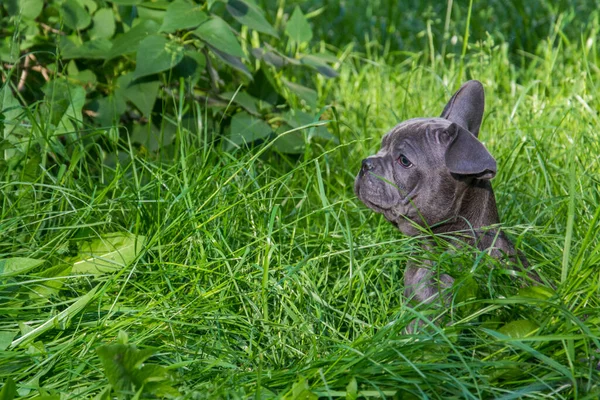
x=399 y=217
x=397 y=214
x=407 y=227
x=384 y=199
x=374 y=203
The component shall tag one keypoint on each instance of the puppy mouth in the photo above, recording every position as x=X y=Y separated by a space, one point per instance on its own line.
x=399 y=209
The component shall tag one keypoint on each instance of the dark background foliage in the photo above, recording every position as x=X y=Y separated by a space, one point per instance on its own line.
x=121 y=64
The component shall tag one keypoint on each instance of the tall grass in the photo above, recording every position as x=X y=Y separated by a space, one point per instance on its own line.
x=263 y=276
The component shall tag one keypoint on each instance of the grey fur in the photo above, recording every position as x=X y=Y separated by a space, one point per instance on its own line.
x=447 y=188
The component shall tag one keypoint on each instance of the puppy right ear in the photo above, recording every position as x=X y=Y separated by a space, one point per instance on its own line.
x=466 y=107
x=466 y=155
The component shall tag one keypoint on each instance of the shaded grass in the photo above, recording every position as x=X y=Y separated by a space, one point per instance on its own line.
x=261 y=271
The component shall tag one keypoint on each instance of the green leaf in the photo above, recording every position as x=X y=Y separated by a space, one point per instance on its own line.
x=518 y=329
x=157 y=379
x=31 y=9
x=467 y=290
x=128 y=42
x=148 y=11
x=210 y=3
x=61 y=320
x=74 y=15
x=17 y=266
x=243 y=99
x=142 y=94
x=300 y=391
x=123 y=367
x=111 y=252
x=72 y=68
x=6 y=338
x=12 y=6
x=28 y=9
x=30 y=34
x=251 y=15
x=9 y=390
x=127 y=2
x=319 y=65
x=95 y=48
x=120 y=362
x=218 y=34
x=159 y=5
x=289 y=142
x=295 y=142
x=156 y=54
x=31 y=169
x=85 y=78
x=90 y=5
x=104 y=24
x=192 y=67
x=536 y=292
x=11 y=109
x=122 y=337
x=76 y=96
x=269 y=57
x=63 y=99
x=352 y=390
x=51 y=282
x=182 y=15
x=304 y=93
x=110 y=108
x=297 y=27
x=296 y=119
x=263 y=87
x=9 y=50
x=246 y=128
x=104 y=394
x=232 y=61
x=273 y=57
x=152 y=138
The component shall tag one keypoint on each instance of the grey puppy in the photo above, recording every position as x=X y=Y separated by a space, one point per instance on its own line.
x=435 y=173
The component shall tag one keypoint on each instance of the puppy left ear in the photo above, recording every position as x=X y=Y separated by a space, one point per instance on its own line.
x=465 y=155
x=466 y=107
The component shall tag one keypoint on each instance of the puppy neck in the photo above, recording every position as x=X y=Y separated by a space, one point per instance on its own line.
x=477 y=210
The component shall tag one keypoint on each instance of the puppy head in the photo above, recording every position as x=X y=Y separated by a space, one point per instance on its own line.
x=425 y=165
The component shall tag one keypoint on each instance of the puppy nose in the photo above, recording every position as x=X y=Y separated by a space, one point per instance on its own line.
x=367 y=164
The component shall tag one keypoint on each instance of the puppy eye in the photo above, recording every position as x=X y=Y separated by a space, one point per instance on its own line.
x=405 y=162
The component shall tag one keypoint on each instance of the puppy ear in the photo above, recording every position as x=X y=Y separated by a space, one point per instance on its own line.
x=466 y=107
x=465 y=155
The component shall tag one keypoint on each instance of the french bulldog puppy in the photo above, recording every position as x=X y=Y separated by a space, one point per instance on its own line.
x=434 y=173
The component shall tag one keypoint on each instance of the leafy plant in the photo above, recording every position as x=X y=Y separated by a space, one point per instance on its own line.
x=110 y=253
x=121 y=63
x=126 y=371
x=9 y=390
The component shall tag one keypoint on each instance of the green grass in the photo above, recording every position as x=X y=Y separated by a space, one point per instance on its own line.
x=262 y=275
